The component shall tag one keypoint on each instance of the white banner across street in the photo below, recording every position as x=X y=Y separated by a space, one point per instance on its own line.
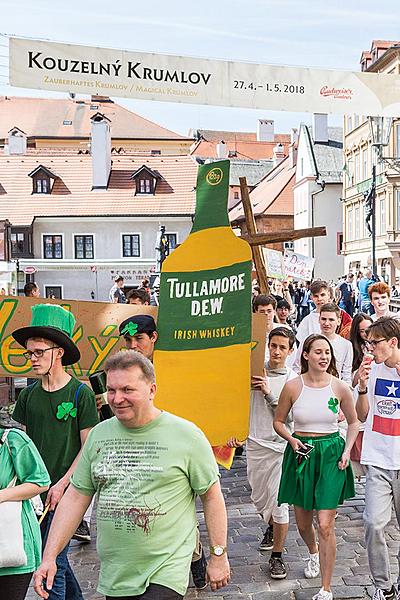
x=88 y=70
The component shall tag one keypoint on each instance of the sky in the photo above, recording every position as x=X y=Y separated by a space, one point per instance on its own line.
x=306 y=33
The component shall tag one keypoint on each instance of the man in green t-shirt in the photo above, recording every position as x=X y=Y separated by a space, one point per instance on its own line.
x=57 y=413
x=146 y=468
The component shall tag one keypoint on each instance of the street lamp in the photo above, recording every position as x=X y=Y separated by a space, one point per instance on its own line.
x=380 y=128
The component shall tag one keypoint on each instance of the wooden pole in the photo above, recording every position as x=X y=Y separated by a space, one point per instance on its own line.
x=261 y=239
x=258 y=258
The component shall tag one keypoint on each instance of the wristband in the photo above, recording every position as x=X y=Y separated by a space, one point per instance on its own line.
x=362 y=392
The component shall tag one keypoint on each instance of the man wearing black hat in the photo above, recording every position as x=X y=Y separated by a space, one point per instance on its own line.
x=140 y=334
x=57 y=412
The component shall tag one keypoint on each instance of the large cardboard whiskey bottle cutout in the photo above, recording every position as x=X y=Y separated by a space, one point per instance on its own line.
x=202 y=359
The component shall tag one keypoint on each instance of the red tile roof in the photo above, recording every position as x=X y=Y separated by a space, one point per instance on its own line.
x=72 y=193
x=212 y=135
x=244 y=150
x=273 y=195
x=45 y=117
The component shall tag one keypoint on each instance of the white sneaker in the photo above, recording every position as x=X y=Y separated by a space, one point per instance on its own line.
x=378 y=594
x=312 y=569
x=323 y=595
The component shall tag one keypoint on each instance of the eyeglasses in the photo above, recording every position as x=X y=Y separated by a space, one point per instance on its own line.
x=37 y=353
x=373 y=343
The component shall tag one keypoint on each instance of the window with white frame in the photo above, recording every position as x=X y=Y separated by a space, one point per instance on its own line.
x=398 y=209
x=398 y=141
x=172 y=240
x=130 y=245
x=382 y=212
x=357 y=223
x=364 y=164
x=83 y=246
x=357 y=166
x=52 y=246
x=350 y=224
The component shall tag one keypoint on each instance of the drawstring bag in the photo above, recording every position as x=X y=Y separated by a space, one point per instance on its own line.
x=12 y=553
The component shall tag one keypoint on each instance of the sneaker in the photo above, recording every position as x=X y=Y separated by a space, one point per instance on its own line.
x=82 y=534
x=323 y=595
x=312 y=569
x=198 y=569
x=380 y=594
x=277 y=568
x=268 y=539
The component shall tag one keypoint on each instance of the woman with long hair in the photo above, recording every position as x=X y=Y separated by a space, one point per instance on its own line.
x=316 y=471
x=23 y=475
x=358 y=336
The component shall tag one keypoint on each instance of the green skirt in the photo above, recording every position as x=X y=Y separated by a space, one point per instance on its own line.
x=319 y=484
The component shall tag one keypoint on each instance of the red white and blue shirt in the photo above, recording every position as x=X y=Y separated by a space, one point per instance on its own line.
x=381 y=442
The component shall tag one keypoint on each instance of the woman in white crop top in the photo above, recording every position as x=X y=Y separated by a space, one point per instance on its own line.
x=323 y=479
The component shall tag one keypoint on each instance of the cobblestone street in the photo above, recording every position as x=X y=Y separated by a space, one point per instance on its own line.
x=250 y=578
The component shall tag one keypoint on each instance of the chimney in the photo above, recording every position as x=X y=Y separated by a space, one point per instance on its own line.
x=265 y=130
x=279 y=154
x=17 y=142
x=101 y=151
x=294 y=136
x=222 y=150
x=320 y=128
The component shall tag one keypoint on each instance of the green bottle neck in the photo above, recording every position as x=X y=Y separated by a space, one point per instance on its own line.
x=212 y=190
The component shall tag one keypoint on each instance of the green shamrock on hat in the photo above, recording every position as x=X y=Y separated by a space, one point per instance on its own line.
x=333 y=404
x=65 y=410
x=130 y=328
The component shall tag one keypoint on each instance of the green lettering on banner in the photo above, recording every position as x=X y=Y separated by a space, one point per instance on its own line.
x=204 y=309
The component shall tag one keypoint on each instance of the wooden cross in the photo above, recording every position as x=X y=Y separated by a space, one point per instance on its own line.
x=256 y=240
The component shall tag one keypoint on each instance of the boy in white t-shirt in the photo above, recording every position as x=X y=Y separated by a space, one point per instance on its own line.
x=329 y=320
x=320 y=295
x=378 y=405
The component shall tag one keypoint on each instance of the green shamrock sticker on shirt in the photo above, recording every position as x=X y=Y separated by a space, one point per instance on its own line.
x=333 y=404
x=130 y=329
x=65 y=410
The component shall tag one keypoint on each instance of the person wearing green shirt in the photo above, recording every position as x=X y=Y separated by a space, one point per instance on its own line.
x=19 y=458
x=57 y=412
x=146 y=467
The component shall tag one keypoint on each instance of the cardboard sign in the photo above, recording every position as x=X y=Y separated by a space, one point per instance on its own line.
x=259 y=340
x=148 y=76
x=96 y=333
x=202 y=358
x=274 y=263
x=298 y=266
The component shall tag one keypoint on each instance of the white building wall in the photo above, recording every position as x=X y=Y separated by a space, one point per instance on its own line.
x=76 y=276
x=328 y=212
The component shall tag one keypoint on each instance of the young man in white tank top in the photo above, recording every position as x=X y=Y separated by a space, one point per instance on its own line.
x=265 y=447
x=378 y=405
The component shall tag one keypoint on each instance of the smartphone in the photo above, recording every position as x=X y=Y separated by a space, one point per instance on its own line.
x=304 y=452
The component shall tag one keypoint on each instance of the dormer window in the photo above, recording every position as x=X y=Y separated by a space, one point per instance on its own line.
x=145 y=186
x=41 y=185
x=146 y=180
x=43 y=180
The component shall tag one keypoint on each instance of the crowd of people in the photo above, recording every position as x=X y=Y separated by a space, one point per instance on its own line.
x=324 y=412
